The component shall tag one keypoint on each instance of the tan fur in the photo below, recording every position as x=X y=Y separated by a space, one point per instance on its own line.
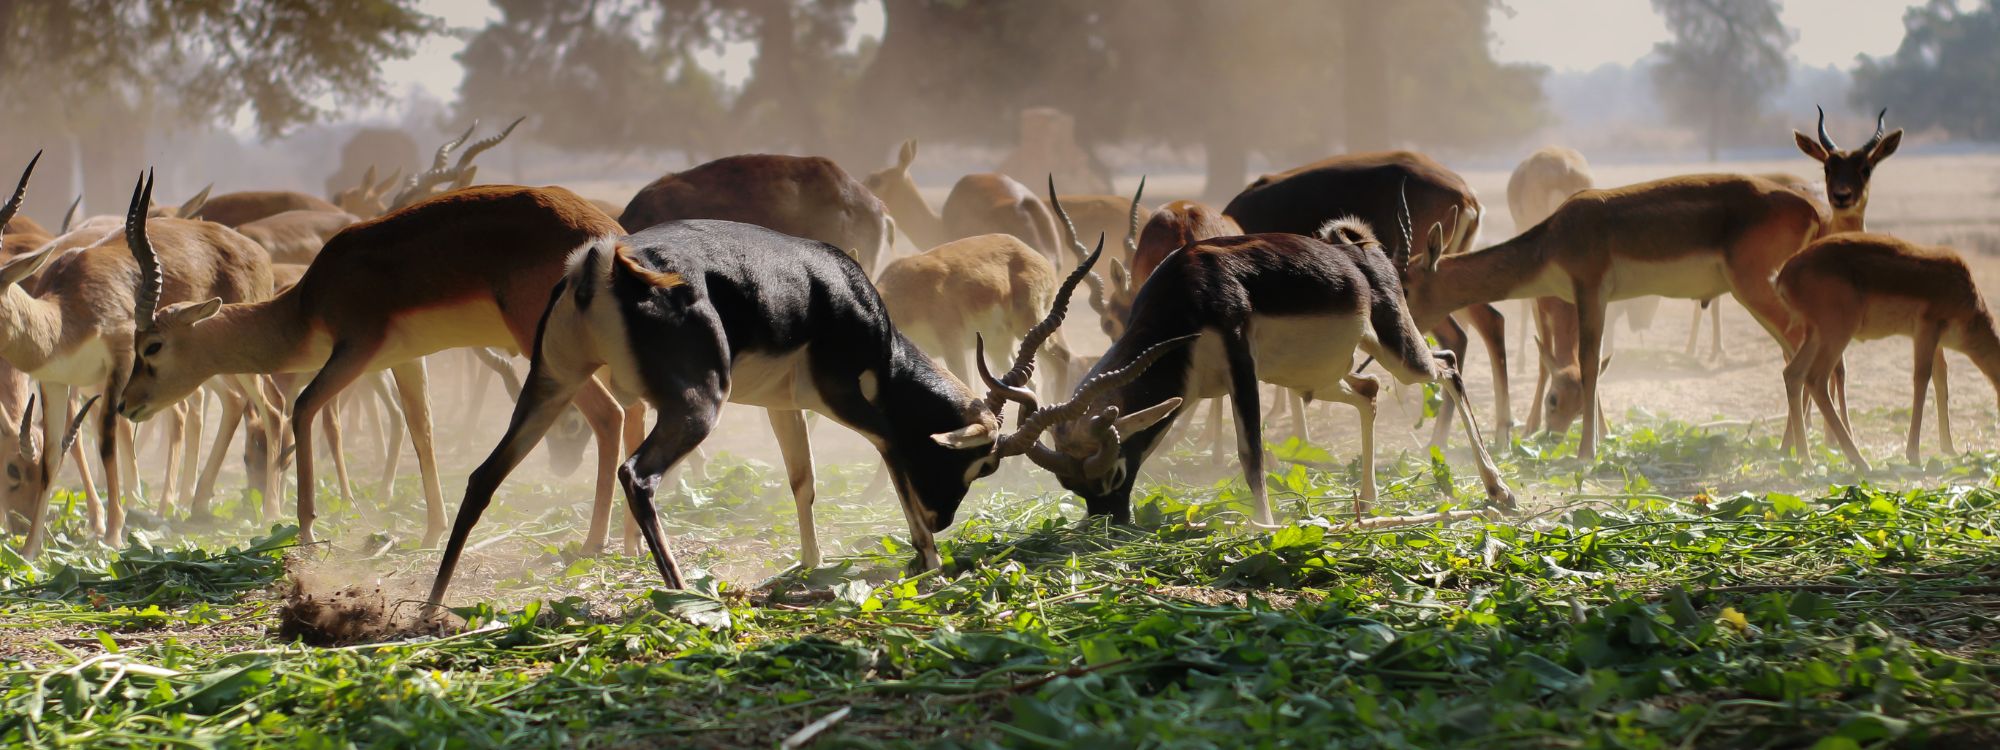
x=980 y=203
x=1537 y=187
x=240 y=208
x=1863 y=286
x=471 y=267
x=296 y=236
x=991 y=284
x=1689 y=237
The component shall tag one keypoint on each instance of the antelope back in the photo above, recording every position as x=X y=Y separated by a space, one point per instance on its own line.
x=990 y=203
x=803 y=196
x=1365 y=186
x=239 y=208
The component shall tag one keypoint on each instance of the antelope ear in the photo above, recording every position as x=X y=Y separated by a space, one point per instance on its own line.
x=1433 y=247
x=907 y=155
x=21 y=267
x=1118 y=277
x=1886 y=147
x=1147 y=417
x=386 y=185
x=188 y=313
x=969 y=436
x=1604 y=364
x=368 y=177
x=1810 y=146
x=192 y=208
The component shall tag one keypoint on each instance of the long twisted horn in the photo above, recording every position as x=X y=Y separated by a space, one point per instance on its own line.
x=76 y=425
x=479 y=147
x=27 y=433
x=1132 y=225
x=1032 y=426
x=1401 y=255
x=1000 y=391
x=420 y=184
x=1076 y=246
x=20 y=191
x=1031 y=342
x=1824 y=141
x=150 y=281
x=1880 y=123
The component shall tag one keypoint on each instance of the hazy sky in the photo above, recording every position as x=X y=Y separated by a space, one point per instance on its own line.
x=1567 y=35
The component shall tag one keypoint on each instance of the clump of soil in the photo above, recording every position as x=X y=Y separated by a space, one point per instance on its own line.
x=318 y=613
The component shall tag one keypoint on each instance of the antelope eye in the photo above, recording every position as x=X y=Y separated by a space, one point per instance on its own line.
x=152 y=348
x=14 y=472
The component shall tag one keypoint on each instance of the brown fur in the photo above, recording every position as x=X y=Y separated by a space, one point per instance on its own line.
x=1863 y=286
x=1847 y=174
x=296 y=236
x=21 y=224
x=803 y=196
x=980 y=203
x=1538 y=185
x=240 y=208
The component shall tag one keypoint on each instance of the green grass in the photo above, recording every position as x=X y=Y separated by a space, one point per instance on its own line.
x=1653 y=600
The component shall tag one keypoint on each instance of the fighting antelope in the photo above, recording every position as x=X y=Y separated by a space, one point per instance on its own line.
x=981 y=203
x=1690 y=237
x=690 y=315
x=803 y=196
x=1174 y=225
x=239 y=208
x=1848 y=172
x=472 y=267
x=75 y=329
x=1863 y=286
x=1285 y=309
x=1367 y=187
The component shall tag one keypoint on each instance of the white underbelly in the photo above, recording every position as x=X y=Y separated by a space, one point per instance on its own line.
x=774 y=382
x=474 y=322
x=1695 y=276
x=1307 y=352
x=87 y=365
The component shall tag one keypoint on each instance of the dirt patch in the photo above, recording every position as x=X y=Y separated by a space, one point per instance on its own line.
x=318 y=611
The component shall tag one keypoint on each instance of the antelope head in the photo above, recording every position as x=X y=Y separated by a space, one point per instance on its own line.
x=895 y=187
x=370 y=198
x=32 y=462
x=1419 y=269
x=1111 y=299
x=1847 y=172
x=162 y=373
x=425 y=184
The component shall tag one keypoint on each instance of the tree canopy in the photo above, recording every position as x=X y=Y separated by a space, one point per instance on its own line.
x=1725 y=61
x=1946 y=73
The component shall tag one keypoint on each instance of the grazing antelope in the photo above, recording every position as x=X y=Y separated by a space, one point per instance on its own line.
x=692 y=314
x=74 y=330
x=1285 y=309
x=1538 y=185
x=294 y=237
x=990 y=285
x=234 y=210
x=1864 y=286
x=1690 y=237
x=1366 y=186
x=981 y=203
x=803 y=196
x=469 y=268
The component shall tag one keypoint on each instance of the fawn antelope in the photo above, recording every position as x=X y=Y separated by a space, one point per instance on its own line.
x=991 y=285
x=690 y=315
x=1862 y=286
x=1690 y=237
x=1369 y=187
x=981 y=203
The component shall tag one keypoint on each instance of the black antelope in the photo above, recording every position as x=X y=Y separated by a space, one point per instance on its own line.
x=1370 y=187
x=1863 y=286
x=691 y=315
x=1691 y=237
x=1284 y=309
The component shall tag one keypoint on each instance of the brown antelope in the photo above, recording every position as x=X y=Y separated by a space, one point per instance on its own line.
x=803 y=196
x=1110 y=216
x=981 y=203
x=237 y=209
x=691 y=315
x=990 y=285
x=1864 y=286
x=1689 y=237
x=1167 y=229
x=1366 y=186
x=1538 y=185
x=1715 y=349
x=472 y=267
x=75 y=329
x=1285 y=309
x=294 y=237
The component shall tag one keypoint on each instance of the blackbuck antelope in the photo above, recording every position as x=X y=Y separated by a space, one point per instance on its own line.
x=980 y=203
x=1370 y=187
x=1690 y=237
x=993 y=286
x=468 y=268
x=1167 y=229
x=1538 y=185
x=1848 y=172
x=690 y=315
x=1863 y=286
x=1285 y=309
x=370 y=198
x=75 y=329
x=803 y=196
x=237 y=209
x=1716 y=350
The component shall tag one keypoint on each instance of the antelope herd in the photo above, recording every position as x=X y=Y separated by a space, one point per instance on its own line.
x=772 y=281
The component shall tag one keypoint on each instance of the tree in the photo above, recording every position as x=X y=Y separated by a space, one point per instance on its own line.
x=1726 y=60
x=1946 y=73
x=102 y=71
